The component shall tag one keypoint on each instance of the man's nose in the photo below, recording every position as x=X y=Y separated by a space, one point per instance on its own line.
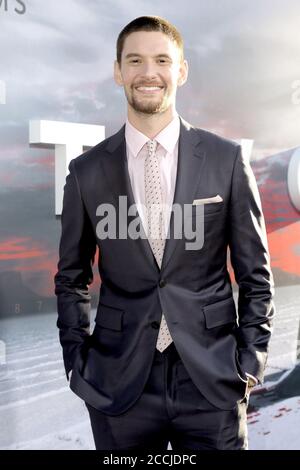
x=149 y=69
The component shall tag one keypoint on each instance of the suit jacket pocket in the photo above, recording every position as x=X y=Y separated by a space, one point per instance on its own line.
x=207 y=209
x=109 y=317
x=220 y=313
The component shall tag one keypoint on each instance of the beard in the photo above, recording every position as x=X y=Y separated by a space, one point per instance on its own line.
x=150 y=106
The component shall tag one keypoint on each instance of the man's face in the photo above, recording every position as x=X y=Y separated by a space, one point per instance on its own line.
x=150 y=71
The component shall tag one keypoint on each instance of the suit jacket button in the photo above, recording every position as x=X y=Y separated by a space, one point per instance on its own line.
x=162 y=283
x=155 y=324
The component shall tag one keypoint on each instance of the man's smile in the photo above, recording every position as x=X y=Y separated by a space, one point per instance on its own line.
x=149 y=89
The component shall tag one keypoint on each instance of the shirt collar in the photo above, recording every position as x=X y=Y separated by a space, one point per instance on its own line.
x=167 y=137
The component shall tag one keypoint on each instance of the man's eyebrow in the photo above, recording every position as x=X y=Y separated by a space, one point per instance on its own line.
x=135 y=54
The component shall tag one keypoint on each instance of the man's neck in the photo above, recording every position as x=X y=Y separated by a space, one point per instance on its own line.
x=151 y=125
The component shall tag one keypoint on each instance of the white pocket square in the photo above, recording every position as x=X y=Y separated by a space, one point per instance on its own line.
x=207 y=200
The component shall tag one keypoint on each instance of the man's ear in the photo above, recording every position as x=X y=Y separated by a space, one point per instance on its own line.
x=183 y=73
x=117 y=74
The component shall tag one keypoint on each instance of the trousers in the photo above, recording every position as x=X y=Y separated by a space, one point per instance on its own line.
x=171 y=409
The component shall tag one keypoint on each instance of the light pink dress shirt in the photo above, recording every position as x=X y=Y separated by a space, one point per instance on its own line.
x=167 y=151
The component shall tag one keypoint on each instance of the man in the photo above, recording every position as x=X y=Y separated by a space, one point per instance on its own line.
x=169 y=360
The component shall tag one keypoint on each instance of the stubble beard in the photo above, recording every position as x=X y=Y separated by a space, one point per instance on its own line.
x=146 y=106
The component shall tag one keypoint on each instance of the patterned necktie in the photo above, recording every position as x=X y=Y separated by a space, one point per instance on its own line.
x=153 y=199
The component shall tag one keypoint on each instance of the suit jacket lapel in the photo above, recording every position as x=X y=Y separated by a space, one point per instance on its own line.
x=116 y=171
x=191 y=157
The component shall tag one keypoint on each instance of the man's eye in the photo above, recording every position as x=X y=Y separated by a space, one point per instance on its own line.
x=134 y=61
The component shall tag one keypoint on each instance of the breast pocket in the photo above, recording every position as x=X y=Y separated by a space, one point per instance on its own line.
x=213 y=208
x=207 y=209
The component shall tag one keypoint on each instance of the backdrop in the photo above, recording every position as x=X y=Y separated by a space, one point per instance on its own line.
x=56 y=64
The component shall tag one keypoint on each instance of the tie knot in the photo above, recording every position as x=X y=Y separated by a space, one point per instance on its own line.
x=151 y=145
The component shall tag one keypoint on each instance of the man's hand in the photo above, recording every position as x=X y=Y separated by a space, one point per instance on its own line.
x=252 y=381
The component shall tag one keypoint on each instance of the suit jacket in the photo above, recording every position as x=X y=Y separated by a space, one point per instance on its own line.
x=216 y=342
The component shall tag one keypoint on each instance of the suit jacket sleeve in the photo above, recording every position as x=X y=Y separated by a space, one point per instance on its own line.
x=251 y=263
x=76 y=257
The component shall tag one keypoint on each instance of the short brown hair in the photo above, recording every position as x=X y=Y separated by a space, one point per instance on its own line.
x=149 y=23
